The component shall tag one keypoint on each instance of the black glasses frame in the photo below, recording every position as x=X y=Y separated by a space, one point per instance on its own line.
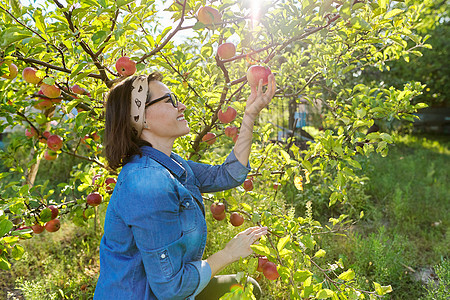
x=173 y=98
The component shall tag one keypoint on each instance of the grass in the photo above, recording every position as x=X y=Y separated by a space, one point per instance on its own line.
x=405 y=228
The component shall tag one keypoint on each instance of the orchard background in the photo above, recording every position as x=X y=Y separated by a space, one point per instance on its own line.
x=340 y=226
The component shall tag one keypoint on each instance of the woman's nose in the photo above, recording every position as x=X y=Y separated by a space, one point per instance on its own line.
x=181 y=106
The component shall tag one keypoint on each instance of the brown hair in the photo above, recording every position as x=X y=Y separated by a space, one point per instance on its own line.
x=120 y=142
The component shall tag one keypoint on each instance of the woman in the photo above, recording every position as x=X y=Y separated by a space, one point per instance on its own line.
x=155 y=229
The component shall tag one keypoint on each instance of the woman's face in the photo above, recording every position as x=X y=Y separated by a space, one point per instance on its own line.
x=163 y=119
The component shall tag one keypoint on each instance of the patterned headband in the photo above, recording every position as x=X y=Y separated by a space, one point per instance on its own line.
x=139 y=91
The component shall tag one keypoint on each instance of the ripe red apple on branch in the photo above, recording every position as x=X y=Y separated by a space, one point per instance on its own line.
x=248 y=184
x=125 y=66
x=52 y=225
x=209 y=138
x=109 y=181
x=236 y=219
x=50 y=155
x=29 y=75
x=94 y=199
x=231 y=131
x=30 y=132
x=54 y=142
x=209 y=15
x=228 y=116
x=79 y=90
x=217 y=208
x=226 y=50
x=261 y=262
x=37 y=228
x=270 y=271
x=54 y=210
x=13 y=70
x=220 y=217
x=255 y=73
x=50 y=91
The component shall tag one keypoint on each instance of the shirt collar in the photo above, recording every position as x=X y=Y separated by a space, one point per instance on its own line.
x=168 y=162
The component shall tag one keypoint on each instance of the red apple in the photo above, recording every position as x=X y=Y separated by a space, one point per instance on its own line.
x=228 y=116
x=108 y=182
x=30 y=132
x=220 y=217
x=29 y=75
x=125 y=66
x=79 y=90
x=52 y=225
x=37 y=228
x=256 y=73
x=276 y=185
x=248 y=184
x=235 y=138
x=46 y=134
x=51 y=91
x=209 y=138
x=55 y=211
x=236 y=219
x=44 y=104
x=50 y=155
x=13 y=70
x=231 y=131
x=261 y=262
x=226 y=50
x=208 y=15
x=94 y=199
x=270 y=270
x=217 y=208
x=54 y=142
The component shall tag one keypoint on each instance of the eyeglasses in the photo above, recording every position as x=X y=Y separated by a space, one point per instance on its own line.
x=173 y=98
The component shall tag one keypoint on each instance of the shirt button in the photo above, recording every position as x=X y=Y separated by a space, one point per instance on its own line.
x=187 y=203
x=163 y=255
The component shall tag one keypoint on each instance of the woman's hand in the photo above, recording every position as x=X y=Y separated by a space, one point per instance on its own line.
x=257 y=99
x=239 y=246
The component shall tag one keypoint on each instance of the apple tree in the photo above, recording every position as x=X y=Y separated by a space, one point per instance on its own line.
x=59 y=59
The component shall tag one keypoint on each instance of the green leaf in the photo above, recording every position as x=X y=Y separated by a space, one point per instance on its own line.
x=282 y=242
x=301 y=276
x=286 y=156
x=392 y=13
x=382 y=290
x=324 y=294
x=360 y=23
x=320 y=253
x=45 y=215
x=17 y=252
x=5 y=226
x=4 y=264
x=308 y=241
x=347 y=275
x=207 y=50
x=261 y=249
x=12 y=35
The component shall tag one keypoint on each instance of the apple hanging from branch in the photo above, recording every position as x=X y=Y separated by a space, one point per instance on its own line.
x=226 y=50
x=255 y=73
x=29 y=75
x=54 y=142
x=13 y=70
x=228 y=116
x=125 y=66
x=209 y=15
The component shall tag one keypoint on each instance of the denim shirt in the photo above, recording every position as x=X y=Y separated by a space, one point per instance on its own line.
x=155 y=229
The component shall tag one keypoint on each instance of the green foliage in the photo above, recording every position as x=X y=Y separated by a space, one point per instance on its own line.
x=439 y=289
x=313 y=47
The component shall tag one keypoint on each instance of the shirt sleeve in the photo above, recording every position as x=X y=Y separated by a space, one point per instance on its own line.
x=151 y=209
x=228 y=175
